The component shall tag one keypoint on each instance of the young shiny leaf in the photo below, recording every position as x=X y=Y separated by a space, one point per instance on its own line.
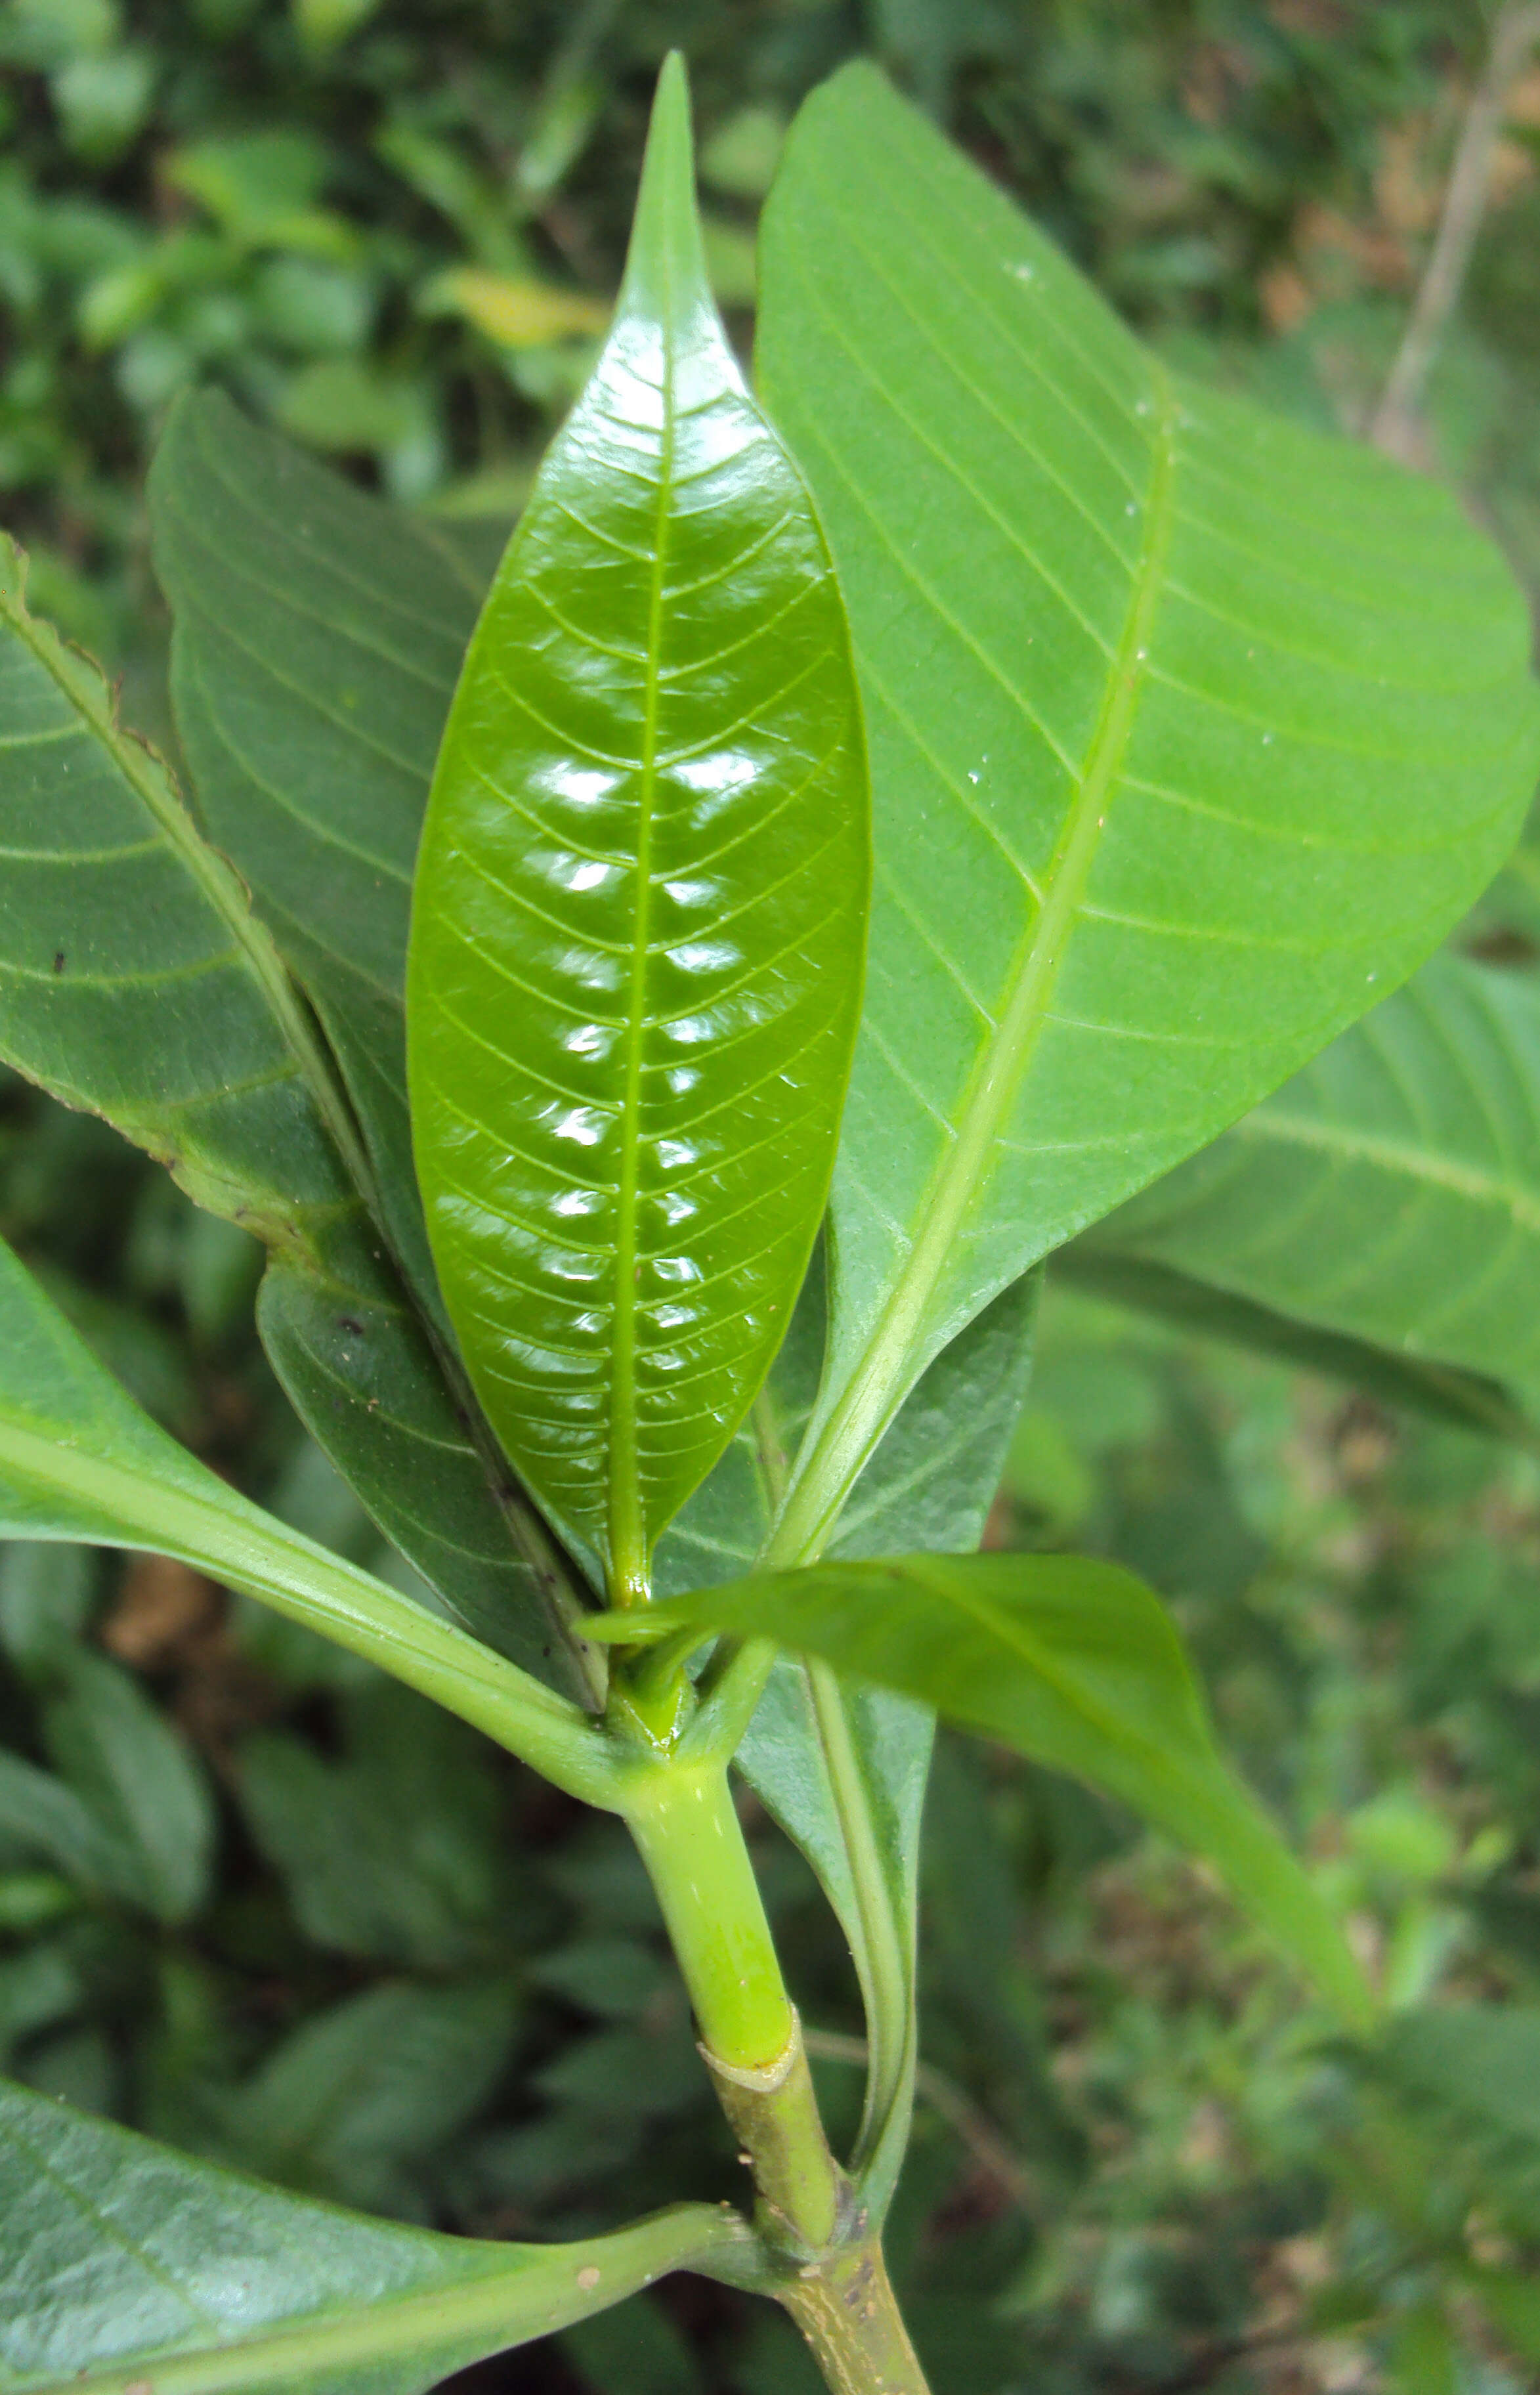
x=1071 y=1662
x=1190 y=733
x=202 y=2282
x=79 y=1460
x=1389 y=1193
x=639 y=921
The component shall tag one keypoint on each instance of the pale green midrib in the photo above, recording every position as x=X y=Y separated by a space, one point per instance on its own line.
x=891 y=2025
x=894 y=1354
x=493 y=2304
x=630 y=1556
x=78 y=685
x=281 y=1567
x=1397 y=1157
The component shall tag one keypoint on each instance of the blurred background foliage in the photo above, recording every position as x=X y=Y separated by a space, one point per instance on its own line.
x=259 y=1902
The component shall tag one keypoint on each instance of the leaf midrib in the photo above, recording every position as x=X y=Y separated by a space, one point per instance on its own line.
x=629 y=1557
x=897 y=1348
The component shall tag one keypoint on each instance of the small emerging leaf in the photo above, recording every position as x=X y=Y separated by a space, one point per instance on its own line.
x=638 y=920
x=1071 y=1662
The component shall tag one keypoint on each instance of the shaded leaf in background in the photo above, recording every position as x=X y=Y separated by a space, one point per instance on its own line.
x=1071 y=1662
x=1189 y=733
x=357 y=2100
x=141 y=1780
x=1389 y=1193
x=211 y=2278
x=393 y=1853
x=637 y=928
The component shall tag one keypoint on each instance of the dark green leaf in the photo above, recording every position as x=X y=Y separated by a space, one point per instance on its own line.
x=1389 y=1193
x=78 y=1460
x=1189 y=733
x=134 y=979
x=354 y=2103
x=392 y=1854
x=1071 y=1662
x=206 y=2283
x=364 y=1378
x=42 y=1818
x=640 y=917
x=318 y=634
x=136 y=1773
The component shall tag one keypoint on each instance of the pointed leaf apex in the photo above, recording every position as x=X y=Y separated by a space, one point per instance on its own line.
x=665 y=274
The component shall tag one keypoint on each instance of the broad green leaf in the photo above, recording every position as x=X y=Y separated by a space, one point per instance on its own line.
x=200 y=2282
x=638 y=923
x=1435 y=1390
x=317 y=635
x=1189 y=733
x=1071 y=1662
x=78 y=1460
x=134 y=980
x=1389 y=1194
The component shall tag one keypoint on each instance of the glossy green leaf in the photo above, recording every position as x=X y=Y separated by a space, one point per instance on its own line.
x=78 y=1460
x=1189 y=733
x=640 y=917
x=1389 y=1193
x=317 y=635
x=134 y=980
x=1076 y=1664
x=199 y=2283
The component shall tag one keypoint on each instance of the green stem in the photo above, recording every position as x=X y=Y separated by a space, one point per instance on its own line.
x=833 y=2280
x=689 y=1837
x=845 y=2308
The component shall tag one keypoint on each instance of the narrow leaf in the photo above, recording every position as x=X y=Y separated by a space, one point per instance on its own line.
x=640 y=917
x=1389 y=1193
x=199 y=2283
x=79 y=1460
x=1191 y=732
x=1073 y=1662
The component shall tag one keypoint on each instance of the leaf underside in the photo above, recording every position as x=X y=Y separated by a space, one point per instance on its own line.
x=1190 y=732
x=638 y=920
x=197 y=2280
x=1389 y=1193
